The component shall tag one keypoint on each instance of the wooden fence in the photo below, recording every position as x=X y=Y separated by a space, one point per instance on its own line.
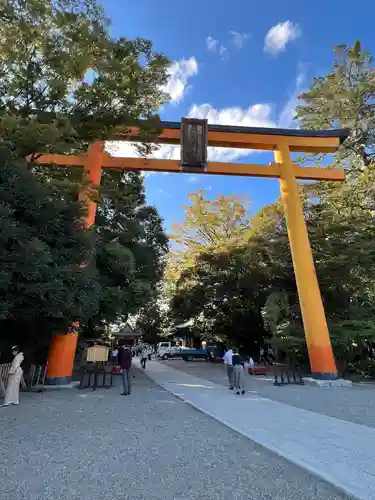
x=34 y=379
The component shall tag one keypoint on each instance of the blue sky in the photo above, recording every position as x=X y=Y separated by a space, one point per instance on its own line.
x=237 y=63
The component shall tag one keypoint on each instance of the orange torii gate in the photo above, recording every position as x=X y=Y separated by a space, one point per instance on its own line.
x=194 y=137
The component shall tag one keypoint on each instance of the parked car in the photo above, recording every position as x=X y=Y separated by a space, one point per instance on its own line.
x=191 y=354
x=163 y=349
x=171 y=352
x=174 y=352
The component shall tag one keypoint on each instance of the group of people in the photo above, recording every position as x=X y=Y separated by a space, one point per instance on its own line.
x=236 y=370
x=266 y=355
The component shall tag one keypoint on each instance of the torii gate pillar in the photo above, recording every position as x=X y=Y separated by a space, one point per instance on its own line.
x=322 y=361
x=63 y=346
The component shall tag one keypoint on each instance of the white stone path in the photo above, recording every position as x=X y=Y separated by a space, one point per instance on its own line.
x=340 y=452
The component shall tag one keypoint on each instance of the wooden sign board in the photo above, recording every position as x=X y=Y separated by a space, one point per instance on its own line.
x=194 y=143
x=97 y=353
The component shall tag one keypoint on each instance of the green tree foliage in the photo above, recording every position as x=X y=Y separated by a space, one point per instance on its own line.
x=340 y=217
x=247 y=293
x=342 y=238
x=275 y=310
x=131 y=246
x=208 y=226
x=41 y=286
x=211 y=224
x=220 y=293
x=225 y=271
x=246 y=290
x=344 y=98
x=66 y=82
x=152 y=320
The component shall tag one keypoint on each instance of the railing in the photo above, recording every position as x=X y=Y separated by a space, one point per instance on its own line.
x=287 y=375
x=31 y=381
x=36 y=377
x=91 y=373
x=4 y=375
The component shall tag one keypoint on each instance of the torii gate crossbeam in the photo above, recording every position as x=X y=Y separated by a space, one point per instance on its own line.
x=282 y=142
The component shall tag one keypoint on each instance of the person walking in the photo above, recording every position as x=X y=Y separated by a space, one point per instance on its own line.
x=251 y=365
x=12 y=394
x=114 y=354
x=228 y=362
x=144 y=356
x=264 y=356
x=125 y=359
x=238 y=372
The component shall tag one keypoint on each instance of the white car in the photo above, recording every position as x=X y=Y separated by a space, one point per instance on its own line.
x=163 y=349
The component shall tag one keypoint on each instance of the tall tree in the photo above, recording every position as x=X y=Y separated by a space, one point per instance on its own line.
x=221 y=274
x=130 y=250
x=344 y=98
x=229 y=292
x=66 y=82
x=41 y=285
x=208 y=226
x=152 y=319
x=212 y=223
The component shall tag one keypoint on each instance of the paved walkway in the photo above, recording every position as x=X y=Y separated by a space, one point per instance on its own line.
x=84 y=445
x=340 y=452
x=354 y=404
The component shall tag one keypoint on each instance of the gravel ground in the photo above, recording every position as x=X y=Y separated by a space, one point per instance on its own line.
x=353 y=404
x=70 y=445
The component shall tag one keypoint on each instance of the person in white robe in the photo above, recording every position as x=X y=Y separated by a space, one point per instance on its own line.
x=12 y=394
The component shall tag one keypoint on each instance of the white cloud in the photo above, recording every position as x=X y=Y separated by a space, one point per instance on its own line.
x=192 y=178
x=223 y=51
x=164 y=193
x=286 y=117
x=278 y=37
x=238 y=39
x=211 y=44
x=145 y=174
x=258 y=115
x=179 y=74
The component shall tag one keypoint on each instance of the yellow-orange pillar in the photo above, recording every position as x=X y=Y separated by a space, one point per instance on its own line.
x=322 y=361
x=93 y=172
x=63 y=346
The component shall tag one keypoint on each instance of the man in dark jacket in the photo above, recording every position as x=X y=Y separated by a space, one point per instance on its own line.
x=125 y=361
